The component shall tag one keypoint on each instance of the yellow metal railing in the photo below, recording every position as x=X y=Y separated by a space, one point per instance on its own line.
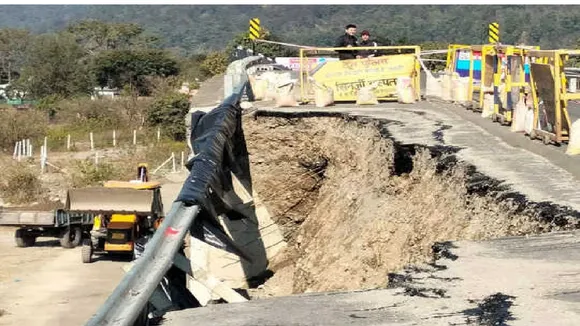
x=550 y=96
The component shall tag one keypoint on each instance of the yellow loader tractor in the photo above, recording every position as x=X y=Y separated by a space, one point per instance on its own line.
x=126 y=212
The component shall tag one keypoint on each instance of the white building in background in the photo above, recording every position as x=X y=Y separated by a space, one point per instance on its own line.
x=3 y=90
x=105 y=92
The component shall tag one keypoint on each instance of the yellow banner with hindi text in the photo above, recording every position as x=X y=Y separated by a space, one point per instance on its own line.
x=347 y=76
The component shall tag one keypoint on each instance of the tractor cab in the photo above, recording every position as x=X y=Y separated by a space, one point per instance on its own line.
x=126 y=211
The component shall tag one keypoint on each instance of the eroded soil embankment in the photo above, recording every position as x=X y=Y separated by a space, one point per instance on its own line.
x=351 y=213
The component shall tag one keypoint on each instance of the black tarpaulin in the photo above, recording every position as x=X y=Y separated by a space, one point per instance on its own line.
x=214 y=141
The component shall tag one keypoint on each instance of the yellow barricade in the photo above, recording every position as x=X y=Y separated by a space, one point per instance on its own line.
x=498 y=70
x=346 y=77
x=509 y=80
x=551 y=121
x=472 y=62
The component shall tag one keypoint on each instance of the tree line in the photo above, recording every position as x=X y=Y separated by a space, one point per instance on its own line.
x=195 y=29
x=93 y=54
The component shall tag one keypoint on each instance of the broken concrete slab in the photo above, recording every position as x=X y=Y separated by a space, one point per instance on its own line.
x=515 y=281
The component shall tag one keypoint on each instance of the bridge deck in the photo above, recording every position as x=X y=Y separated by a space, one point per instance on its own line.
x=541 y=273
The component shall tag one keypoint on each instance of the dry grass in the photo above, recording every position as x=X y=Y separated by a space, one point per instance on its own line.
x=123 y=165
x=19 y=183
x=18 y=125
x=360 y=221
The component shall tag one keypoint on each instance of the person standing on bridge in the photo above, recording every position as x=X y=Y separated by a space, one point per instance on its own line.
x=348 y=40
x=366 y=42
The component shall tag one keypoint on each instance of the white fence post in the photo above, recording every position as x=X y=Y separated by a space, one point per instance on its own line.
x=43 y=157
x=92 y=141
x=15 y=155
x=19 y=150
x=68 y=142
x=173 y=159
x=182 y=160
x=114 y=138
x=158 y=134
x=134 y=137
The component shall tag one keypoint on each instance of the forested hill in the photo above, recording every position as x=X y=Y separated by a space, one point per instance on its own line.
x=198 y=28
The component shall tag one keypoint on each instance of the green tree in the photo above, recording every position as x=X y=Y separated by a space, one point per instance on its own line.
x=168 y=112
x=215 y=63
x=55 y=65
x=190 y=68
x=13 y=43
x=96 y=36
x=120 y=68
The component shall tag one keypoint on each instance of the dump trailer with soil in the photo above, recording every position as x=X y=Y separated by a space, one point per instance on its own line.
x=67 y=226
x=124 y=213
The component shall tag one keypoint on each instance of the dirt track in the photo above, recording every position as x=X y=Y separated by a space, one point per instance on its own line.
x=49 y=285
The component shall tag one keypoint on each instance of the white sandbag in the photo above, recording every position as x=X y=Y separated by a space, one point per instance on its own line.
x=259 y=87
x=273 y=81
x=446 y=87
x=323 y=96
x=460 y=89
x=288 y=100
x=434 y=86
x=366 y=95
x=574 y=142
x=285 y=97
x=448 y=80
x=529 y=121
x=519 y=117
x=487 y=109
x=405 y=91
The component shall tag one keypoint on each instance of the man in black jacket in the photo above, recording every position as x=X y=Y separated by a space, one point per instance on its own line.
x=366 y=42
x=347 y=40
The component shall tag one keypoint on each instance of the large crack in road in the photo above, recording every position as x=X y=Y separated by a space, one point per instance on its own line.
x=361 y=210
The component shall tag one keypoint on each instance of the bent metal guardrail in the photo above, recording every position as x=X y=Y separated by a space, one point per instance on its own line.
x=131 y=295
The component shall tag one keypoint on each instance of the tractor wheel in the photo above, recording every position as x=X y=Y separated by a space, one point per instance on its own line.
x=23 y=239
x=71 y=237
x=87 y=251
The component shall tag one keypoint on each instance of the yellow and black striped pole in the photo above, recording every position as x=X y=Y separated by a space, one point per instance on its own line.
x=493 y=32
x=254 y=28
x=255 y=32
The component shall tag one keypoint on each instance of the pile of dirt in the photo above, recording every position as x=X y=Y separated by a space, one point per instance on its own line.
x=351 y=214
